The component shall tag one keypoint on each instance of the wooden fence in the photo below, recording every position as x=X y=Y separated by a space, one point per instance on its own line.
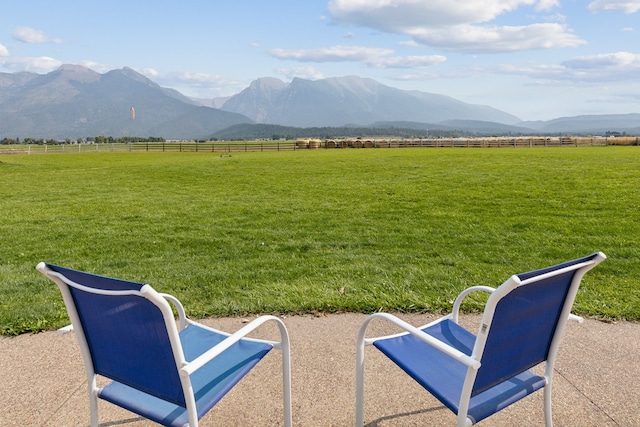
x=253 y=146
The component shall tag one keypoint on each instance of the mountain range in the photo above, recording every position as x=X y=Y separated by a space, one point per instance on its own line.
x=76 y=102
x=351 y=101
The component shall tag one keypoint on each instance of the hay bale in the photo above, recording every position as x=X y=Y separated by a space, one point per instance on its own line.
x=302 y=143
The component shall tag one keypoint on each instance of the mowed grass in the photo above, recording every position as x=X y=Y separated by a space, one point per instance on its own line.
x=318 y=230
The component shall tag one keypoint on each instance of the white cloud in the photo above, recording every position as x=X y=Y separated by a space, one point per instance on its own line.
x=410 y=43
x=407 y=62
x=621 y=61
x=592 y=69
x=628 y=6
x=3 y=51
x=42 y=64
x=97 y=67
x=621 y=68
x=402 y=15
x=308 y=73
x=456 y=24
x=473 y=38
x=557 y=17
x=200 y=85
x=197 y=79
x=150 y=72
x=372 y=57
x=539 y=72
x=420 y=76
x=29 y=35
x=547 y=4
x=331 y=54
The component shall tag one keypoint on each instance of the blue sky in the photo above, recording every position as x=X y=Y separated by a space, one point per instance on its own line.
x=537 y=59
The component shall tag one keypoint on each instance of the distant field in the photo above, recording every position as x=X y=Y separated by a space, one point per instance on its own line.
x=318 y=230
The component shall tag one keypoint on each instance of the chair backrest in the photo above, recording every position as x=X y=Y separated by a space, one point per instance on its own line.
x=125 y=332
x=524 y=316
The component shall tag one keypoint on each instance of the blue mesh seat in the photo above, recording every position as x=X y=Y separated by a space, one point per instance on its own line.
x=170 y=372
x=478 y=375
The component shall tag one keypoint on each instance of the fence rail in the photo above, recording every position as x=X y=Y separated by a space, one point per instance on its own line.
x=240 y=146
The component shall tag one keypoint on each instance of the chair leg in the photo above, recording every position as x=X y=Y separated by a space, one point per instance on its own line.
x=286 y=386
x=285 y=347
x=548 y=420
x=360 y=377
x=93 y=402
x=360 y=392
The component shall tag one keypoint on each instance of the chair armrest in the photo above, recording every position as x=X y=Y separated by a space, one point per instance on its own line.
x=216 y=350
x=455 y=311
x=432 y=341
x=182 y=317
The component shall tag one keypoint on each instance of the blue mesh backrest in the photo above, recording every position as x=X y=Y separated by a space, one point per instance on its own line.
x=523 y=325
x=127 y=337
x=522 y=329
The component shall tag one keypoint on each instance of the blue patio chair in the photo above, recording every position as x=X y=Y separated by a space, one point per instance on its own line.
x=170 y=372
x=476 y=376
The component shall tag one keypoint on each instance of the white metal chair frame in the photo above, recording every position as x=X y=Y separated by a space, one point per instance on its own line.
x=185 y=369
x=473 y=362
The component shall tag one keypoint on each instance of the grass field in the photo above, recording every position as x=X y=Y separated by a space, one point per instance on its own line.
x=326 y=230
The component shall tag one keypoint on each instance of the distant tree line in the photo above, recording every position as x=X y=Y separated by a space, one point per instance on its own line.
x=390 y=129
x=276 y=132
x=123 y=139
x=90 y=140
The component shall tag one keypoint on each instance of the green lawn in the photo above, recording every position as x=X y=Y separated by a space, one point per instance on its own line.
x=325 y=230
